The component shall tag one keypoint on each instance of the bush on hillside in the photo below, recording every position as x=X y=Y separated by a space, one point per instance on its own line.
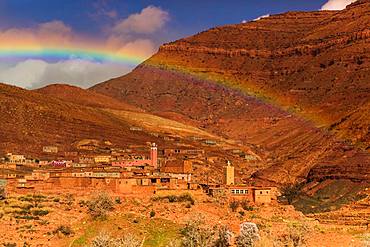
x=105 y=240
x=100 y=206
x=223 y=237
x=290 y=192
x=186 y=197
x=65 y=230
x=234 y=205
x=295 y=236
x=196 y=234
x=248 y=236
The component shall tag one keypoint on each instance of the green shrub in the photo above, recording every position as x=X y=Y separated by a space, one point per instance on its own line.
x=118 y=200
x=152 y=214
x=56 y=199
x=172 y=198
x=27 y=217
x=82 y=203
x=245 y=205
x=39 y=197
x=234 y=205
x=291 y=192
x=26 y=198
x=65 y=230
x=24 y=211
x=40 y=212
x=186 y=197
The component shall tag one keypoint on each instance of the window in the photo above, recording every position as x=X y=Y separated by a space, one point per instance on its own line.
x=261 y=192
x=237 y=191
x=233 y=191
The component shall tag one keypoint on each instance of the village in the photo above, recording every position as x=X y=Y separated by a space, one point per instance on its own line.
x=142 y=169
x=155 y=192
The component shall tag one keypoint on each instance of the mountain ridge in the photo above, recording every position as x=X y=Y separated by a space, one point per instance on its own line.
x=290 y=83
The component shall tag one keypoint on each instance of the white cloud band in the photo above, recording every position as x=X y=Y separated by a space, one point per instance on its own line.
x=337 y=4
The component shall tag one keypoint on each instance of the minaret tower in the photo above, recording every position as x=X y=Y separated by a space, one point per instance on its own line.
x=154 y=155
x=229 y=174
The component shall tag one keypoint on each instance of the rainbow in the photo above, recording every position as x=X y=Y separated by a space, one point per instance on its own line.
x=105 y=55
x=69 y=53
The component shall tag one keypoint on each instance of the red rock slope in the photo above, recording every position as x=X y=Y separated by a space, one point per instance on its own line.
x=294 y=84
x=62 y=115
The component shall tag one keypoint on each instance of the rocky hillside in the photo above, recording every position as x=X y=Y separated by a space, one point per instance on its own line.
x=295 y=85
x=62 y=116
x=83 y=97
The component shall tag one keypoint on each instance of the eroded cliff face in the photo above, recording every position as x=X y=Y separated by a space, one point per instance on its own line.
x=291 y=84
x=314 y=63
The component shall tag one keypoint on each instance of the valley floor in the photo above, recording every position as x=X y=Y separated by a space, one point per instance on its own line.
x=62 y=219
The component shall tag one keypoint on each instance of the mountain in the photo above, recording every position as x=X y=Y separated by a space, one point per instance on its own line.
x=296 y=85
x=64 y=116
x=79 y=96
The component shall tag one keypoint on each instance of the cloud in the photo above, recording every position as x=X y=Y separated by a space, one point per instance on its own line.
x=102 y=9
x=261 y=17
x=336 y=4
x=34 y=73
x=132 y=37
x=53 y=32
x=143 y=48
x=149 y=20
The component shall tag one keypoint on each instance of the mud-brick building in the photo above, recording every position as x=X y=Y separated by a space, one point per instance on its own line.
x=257 y=195
x=178 y=166
x=50 y=149
x=38 y=175
x=102 y=159
x=16 y=158
x=263 y=195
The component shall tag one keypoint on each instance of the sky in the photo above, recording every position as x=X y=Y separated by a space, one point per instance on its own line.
x=84 y=42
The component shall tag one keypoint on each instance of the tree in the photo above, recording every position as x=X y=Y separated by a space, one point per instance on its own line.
x=196 y=234
x=249 y=235
x=290 y=192
x=100 y=206
x=223 y=237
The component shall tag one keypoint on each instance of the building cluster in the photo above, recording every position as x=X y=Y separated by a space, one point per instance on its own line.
x=123 y=171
